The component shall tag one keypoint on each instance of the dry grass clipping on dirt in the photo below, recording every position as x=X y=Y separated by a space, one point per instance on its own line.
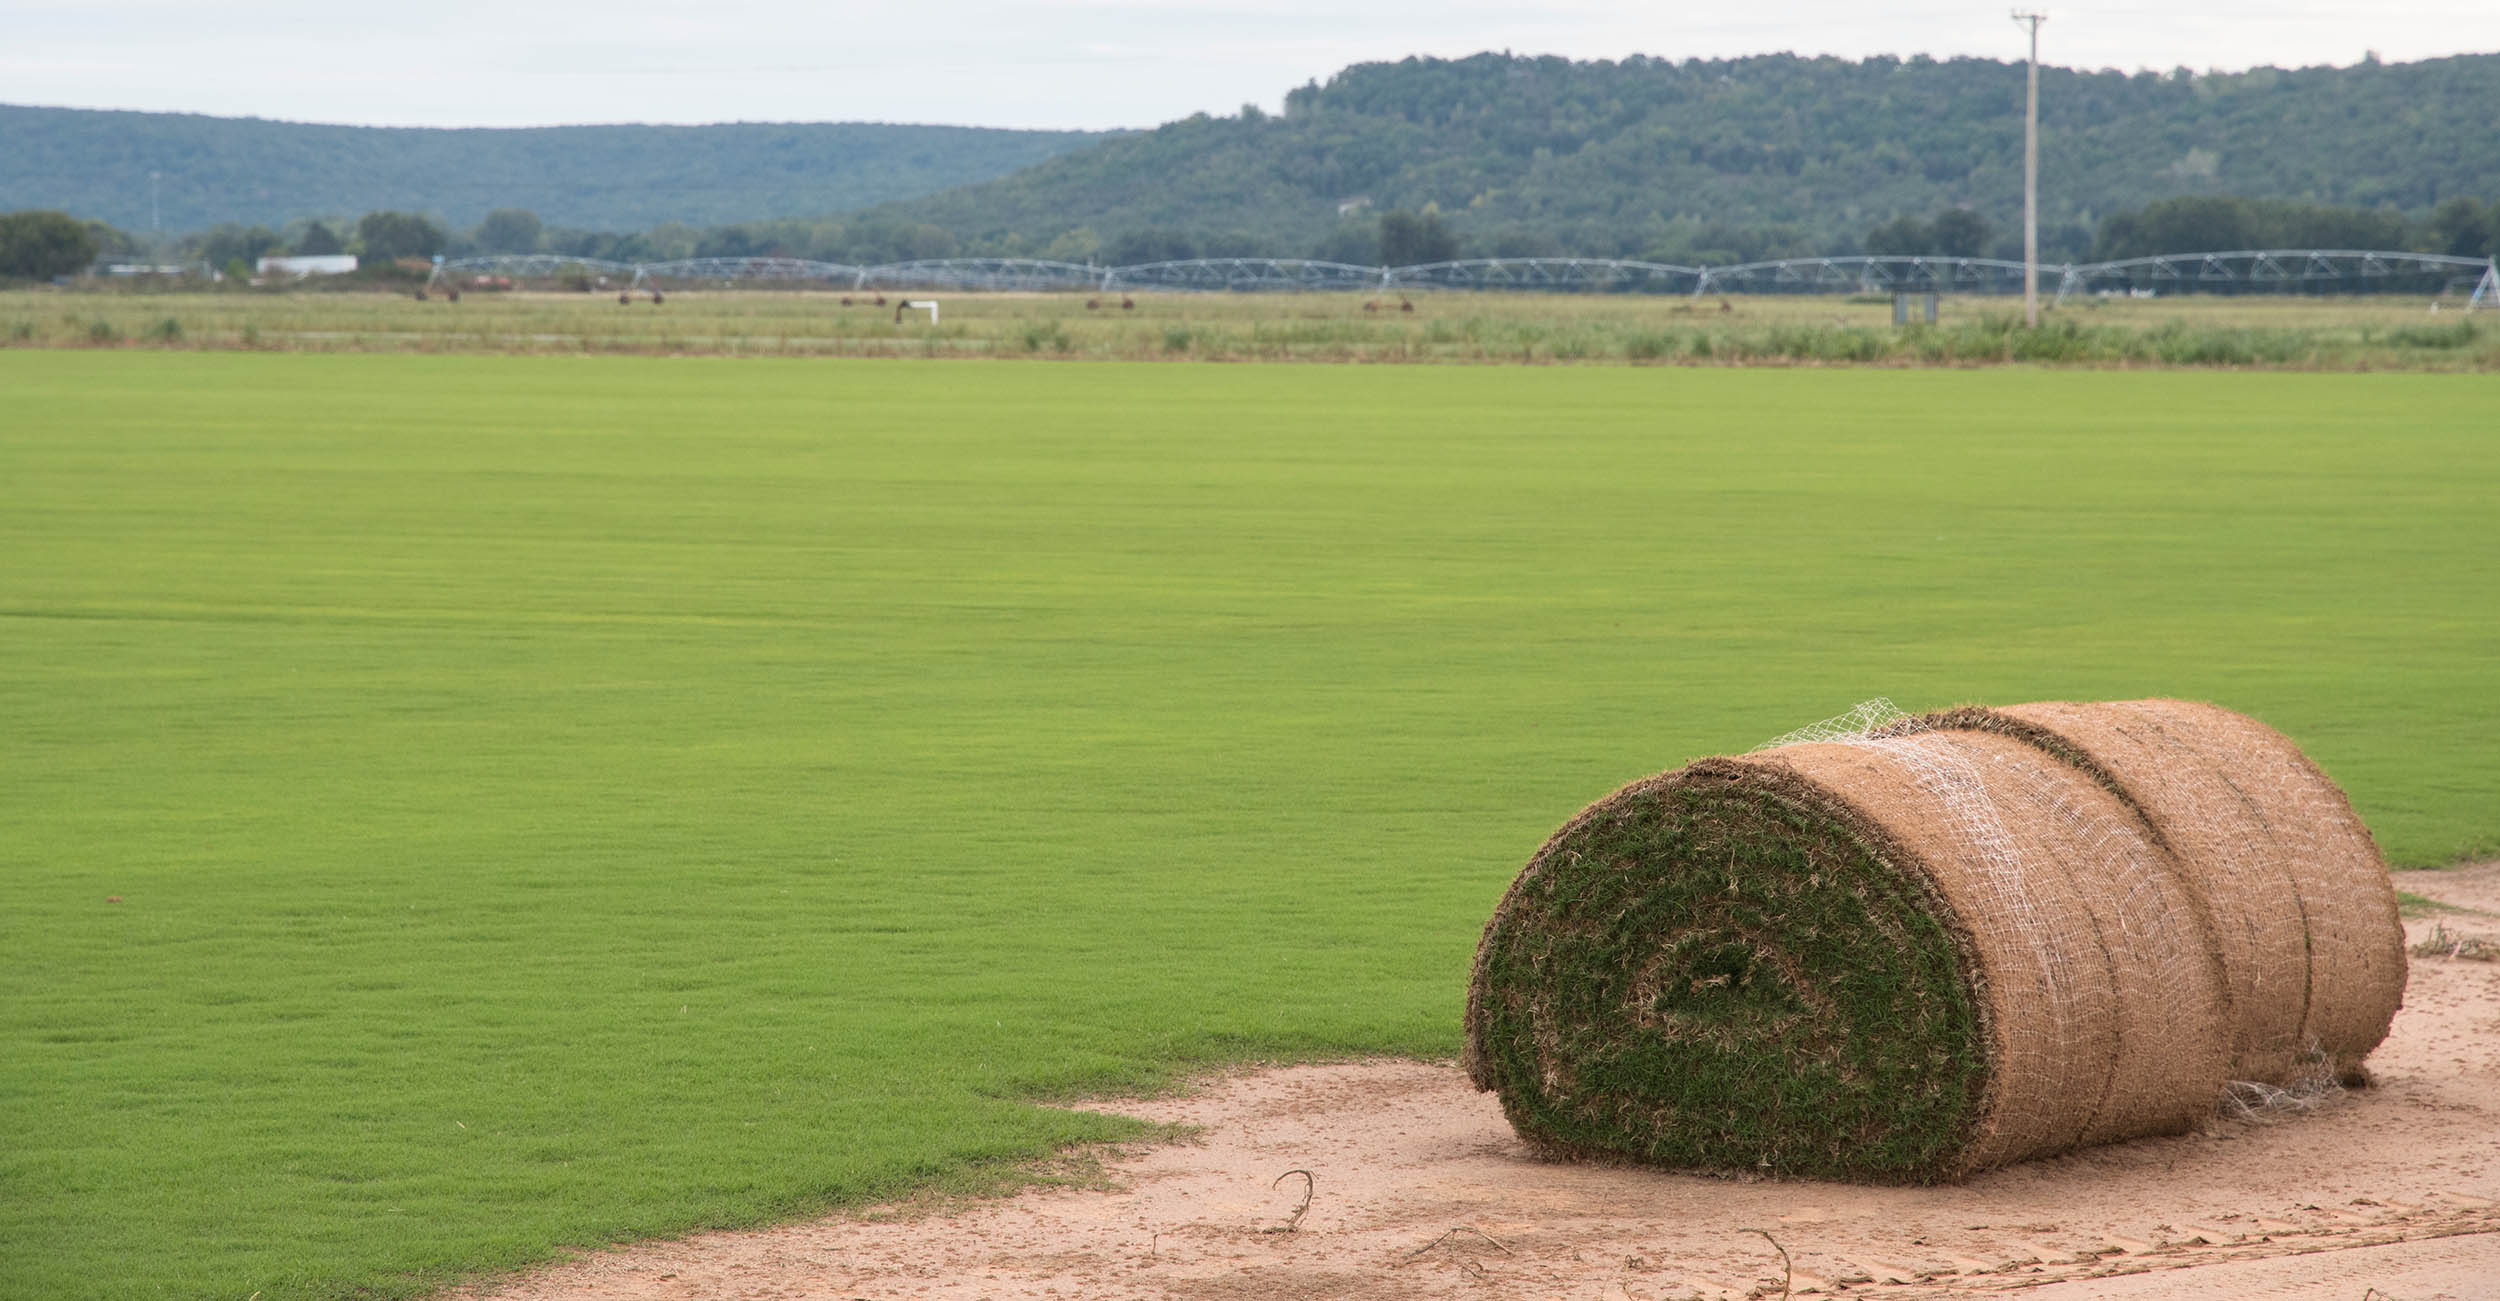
x=2445 y=943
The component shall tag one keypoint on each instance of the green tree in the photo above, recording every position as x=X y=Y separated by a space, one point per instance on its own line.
x=1155 y=244
x=1411 y=238
x=112 y=243
x=318 y=240
x=733 y=241
x=1235 y=243
x=1523 y=241
x=509 y=230
x=2215 y=223
x=39 y=244
x=226 y=245
x=1959 y=232
x=672 y=240
x=387 y=235
x=1901 y=237
x=2317 y=225
x=2198 y=223
x=888 y=239
x=1356 y=243
x=1078 y=245
x=2464 y=228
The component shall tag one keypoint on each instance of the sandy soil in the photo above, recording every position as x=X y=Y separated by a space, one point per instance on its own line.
x=1419 y=1189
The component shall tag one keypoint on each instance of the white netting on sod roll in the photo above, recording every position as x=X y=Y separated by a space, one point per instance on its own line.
x=2098 y=993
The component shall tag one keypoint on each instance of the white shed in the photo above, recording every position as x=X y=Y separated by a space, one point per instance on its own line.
x=309 y=264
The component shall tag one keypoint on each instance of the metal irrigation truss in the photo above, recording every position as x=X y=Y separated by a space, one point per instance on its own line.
x=1246 y=273
x=2275 y=269
x=1606 y=275
x=532 y=265
x=1862 y=273
x=977 y=273
x=748 y=270
x=2238 y=271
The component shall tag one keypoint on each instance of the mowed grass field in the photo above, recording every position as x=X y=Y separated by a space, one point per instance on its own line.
x=459 y=808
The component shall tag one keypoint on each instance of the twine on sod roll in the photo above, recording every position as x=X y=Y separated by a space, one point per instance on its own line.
x=1879 y=949
x=2304 y=914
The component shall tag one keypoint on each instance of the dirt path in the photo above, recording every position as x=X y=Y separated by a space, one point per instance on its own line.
x=1420 y=1190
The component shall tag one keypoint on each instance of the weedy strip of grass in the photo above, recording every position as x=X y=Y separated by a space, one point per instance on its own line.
x=2409 y=904
x=1442 y=328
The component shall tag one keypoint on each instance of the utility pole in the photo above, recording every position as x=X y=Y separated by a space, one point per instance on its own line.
x=156 y=211
x=2031 y=173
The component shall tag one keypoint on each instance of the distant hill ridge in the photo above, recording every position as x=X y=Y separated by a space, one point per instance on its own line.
x=1696 y=162
x=95 y=163
x=1723 y=160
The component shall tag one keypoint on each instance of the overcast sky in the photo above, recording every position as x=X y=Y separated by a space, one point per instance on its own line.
x=1044 y=63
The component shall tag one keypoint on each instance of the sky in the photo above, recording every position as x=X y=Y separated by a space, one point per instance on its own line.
x=1044 y=63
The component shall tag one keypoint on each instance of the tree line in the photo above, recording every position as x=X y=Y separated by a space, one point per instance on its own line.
x=1703 y=161
x=2460 y=225
x=196 y=172
x=1693 y=161
x=40 y=244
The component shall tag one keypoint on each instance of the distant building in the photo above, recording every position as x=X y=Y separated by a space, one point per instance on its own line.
x=308 y=264
x=1349 y=207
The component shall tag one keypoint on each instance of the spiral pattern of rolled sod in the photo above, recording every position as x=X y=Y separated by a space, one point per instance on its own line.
x=1904 y=958
x=2303 y=913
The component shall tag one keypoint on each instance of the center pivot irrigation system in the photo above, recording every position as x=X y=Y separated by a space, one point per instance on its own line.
x=2240 y=271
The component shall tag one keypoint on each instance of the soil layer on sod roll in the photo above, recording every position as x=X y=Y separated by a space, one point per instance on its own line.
x=1902 y=958
x=2303 y=911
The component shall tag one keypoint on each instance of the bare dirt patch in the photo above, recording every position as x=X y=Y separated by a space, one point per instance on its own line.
x=1418 y=1188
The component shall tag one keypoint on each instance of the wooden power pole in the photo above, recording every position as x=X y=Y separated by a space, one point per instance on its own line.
x=2031 y=174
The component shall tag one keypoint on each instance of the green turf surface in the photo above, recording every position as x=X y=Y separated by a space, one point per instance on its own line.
x=1624 y=1005
x=554 y=799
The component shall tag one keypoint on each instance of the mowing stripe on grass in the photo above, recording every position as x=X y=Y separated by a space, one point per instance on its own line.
x=554 y=799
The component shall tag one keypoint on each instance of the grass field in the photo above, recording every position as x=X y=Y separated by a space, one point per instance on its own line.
x=2376 y=332
x=460 y=807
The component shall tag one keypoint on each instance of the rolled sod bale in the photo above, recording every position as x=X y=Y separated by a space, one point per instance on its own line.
x=1899 y=957
x=2303 y=911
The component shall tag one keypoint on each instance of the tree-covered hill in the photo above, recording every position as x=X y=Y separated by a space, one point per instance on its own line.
x=1699 y=161
x=1716 y=160
x=253 y=171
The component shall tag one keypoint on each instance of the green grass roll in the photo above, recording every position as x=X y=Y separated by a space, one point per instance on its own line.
x=1898 y=957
